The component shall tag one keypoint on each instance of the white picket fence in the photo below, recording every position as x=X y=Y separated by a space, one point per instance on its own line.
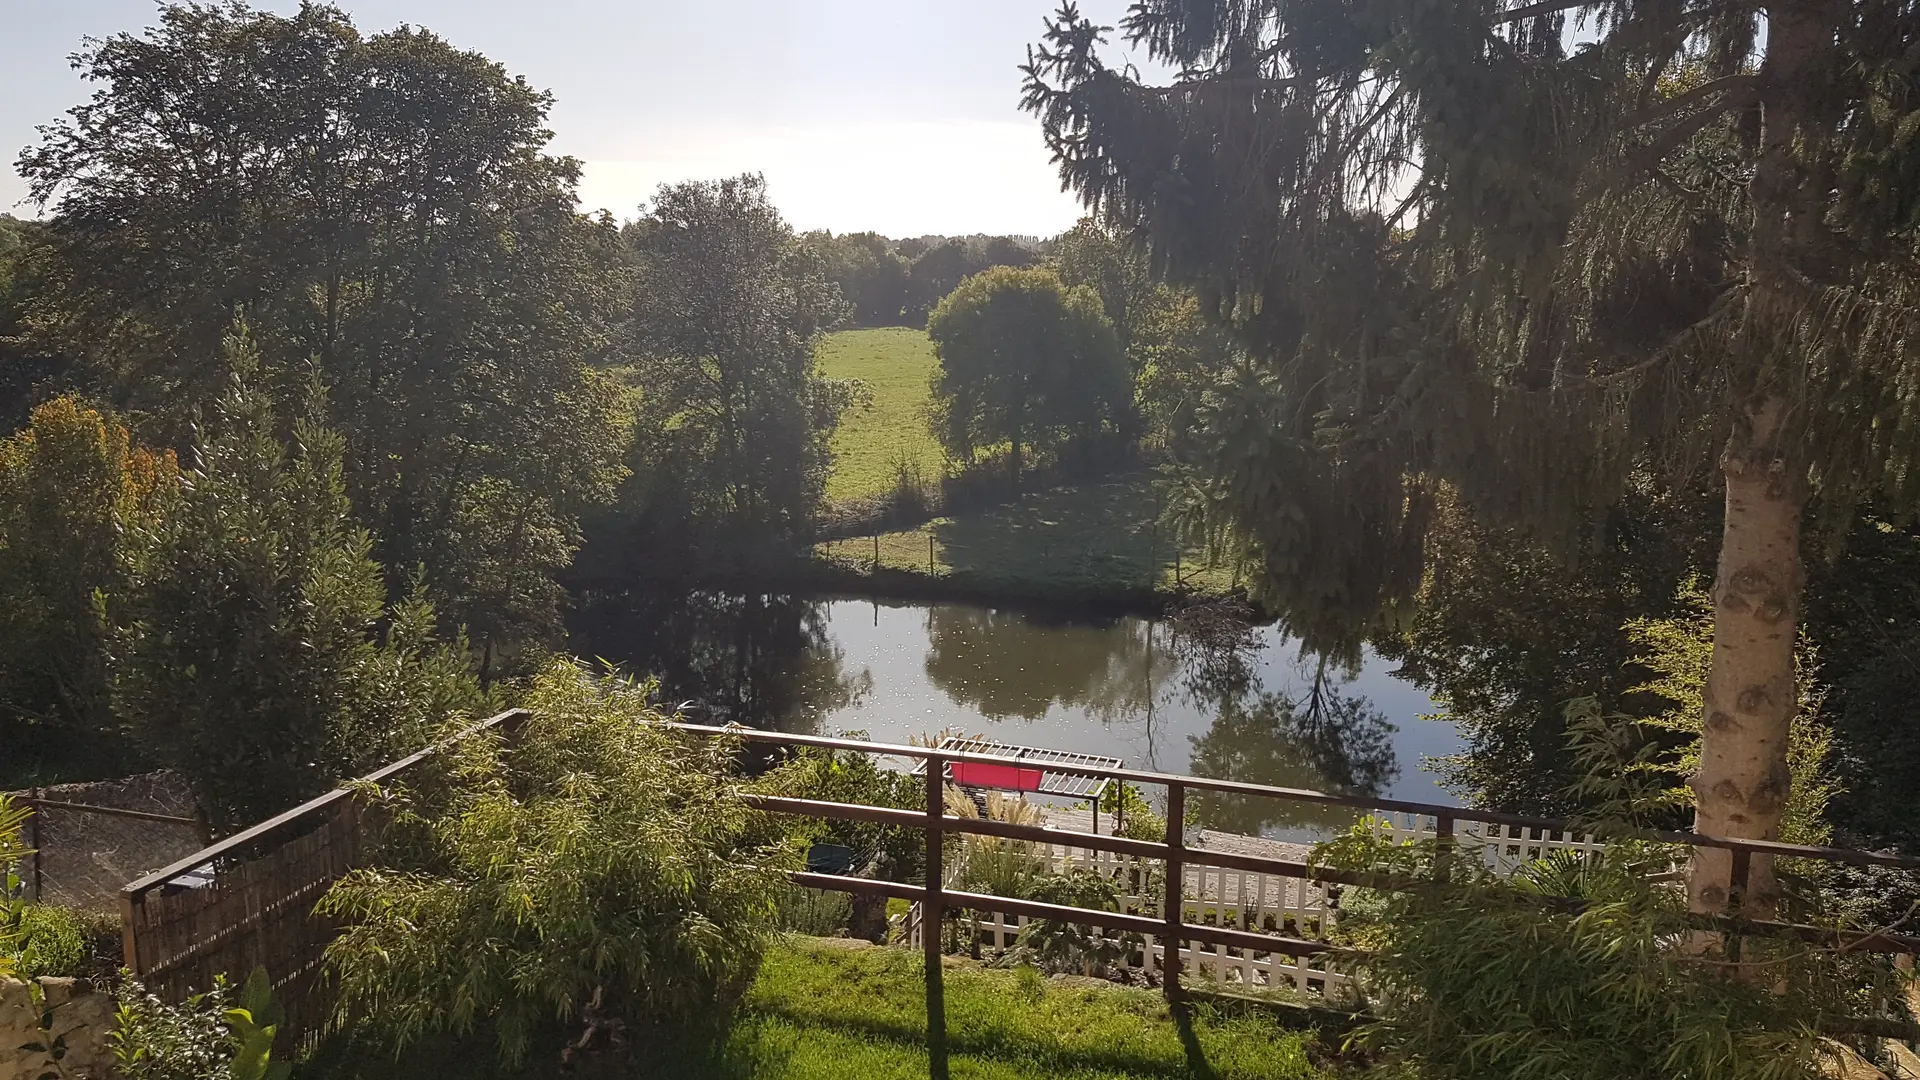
x=1241 y=900
x=1260 y=903
x=1500 y=848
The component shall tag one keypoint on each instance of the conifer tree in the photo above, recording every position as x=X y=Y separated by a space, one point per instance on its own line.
x=1517 y=250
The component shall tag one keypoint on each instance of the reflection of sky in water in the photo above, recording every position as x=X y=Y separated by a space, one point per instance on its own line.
x=1115 y=689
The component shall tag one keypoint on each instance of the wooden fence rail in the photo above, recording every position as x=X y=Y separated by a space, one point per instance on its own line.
x=248 y=900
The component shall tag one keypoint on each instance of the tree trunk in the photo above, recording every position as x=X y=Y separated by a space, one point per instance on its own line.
x=1751 y=695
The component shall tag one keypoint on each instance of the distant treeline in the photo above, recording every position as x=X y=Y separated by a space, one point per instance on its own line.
x=897 y=282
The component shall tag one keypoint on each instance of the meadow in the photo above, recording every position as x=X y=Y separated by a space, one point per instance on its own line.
x=895 y=363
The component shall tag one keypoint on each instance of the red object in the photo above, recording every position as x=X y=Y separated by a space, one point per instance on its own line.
x=1001 y=777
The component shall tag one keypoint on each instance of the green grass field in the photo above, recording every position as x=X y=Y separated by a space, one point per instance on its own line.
x=1080 y=540
x=895 y=362
x=828 y=1011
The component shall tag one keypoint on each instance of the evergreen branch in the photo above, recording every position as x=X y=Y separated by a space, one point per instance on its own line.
x=1234 y=81
x=1651 y=154
x=1544 y=7
x=1743 y=86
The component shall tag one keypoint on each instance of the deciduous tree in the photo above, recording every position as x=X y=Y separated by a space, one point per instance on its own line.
x=380 y=207
x=1026 y=361
x=727 y=309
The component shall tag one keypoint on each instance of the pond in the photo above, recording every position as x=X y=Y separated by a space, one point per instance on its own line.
x=1239 y=703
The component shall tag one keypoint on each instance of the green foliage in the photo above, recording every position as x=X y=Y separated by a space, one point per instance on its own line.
x=846 y=776
x=381 y=208
x=1138 y=821
x=1501 y=659
x=210 y=1036
x=52 y=941
x=73 y=490
x=1024 y=360
x=735 y=415
x=13 y=902
x=1478 y=979
x=30 y=372
x=1174 y=353
x=249 y=658
x=939 y=269
x=596 y=869
x=871 y=277
x=1679 y=652
x=1072 y=947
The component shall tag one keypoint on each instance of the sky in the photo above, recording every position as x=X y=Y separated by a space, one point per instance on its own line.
x=899 y=116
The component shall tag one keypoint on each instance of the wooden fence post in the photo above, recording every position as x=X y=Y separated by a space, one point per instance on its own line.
x=1175 y=903
x=932 y=922
x=1737 y=896
x=1443 y=845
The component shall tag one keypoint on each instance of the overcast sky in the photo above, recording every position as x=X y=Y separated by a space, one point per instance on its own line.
x=900 y=116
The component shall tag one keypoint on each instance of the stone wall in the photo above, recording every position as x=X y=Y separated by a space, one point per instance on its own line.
x=82 y=1018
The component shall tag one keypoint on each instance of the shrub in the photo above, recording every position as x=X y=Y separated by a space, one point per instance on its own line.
x=1478 y=979
x=53 y=941
x=595 y=870
x=13 y=904
x=210 y=1036
x=1072 y=947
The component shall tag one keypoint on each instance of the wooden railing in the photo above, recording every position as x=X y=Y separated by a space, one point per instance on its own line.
x=248 y=900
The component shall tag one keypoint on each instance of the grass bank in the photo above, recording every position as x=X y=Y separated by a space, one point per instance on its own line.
x=824 y=1010
x=895 y=362
x=1093 y=541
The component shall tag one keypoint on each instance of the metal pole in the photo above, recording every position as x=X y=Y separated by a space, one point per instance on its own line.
x=1175 y=904
x=33 y=838
x=932 y=923
x=876 y=553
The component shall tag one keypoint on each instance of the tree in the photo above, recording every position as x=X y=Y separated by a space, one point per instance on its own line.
x=871 y=277
x=727 y=310
x=1505 y=634
x=248 y=656
x=74 y=492
x=1174 y=354
x=381 y=208
x=29 y=372
x=939 y=269
x=1026 y=361
x=1465 y=254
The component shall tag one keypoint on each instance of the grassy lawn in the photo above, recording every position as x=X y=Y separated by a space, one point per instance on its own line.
x=896 y=363
x=1085 y=539
x=825 y=1011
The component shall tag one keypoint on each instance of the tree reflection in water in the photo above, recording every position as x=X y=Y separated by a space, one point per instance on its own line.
x=776 y=661
x=1004 y=664
x=762 y=660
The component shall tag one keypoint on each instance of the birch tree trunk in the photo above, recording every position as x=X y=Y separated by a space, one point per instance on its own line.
x=1751 y=696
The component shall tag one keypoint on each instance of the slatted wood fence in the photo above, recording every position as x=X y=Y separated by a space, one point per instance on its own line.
x=248 y=900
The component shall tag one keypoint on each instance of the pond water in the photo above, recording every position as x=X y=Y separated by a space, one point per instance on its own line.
x=1239 y=705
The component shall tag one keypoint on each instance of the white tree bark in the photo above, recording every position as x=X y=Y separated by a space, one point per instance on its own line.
x=1742 y=784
